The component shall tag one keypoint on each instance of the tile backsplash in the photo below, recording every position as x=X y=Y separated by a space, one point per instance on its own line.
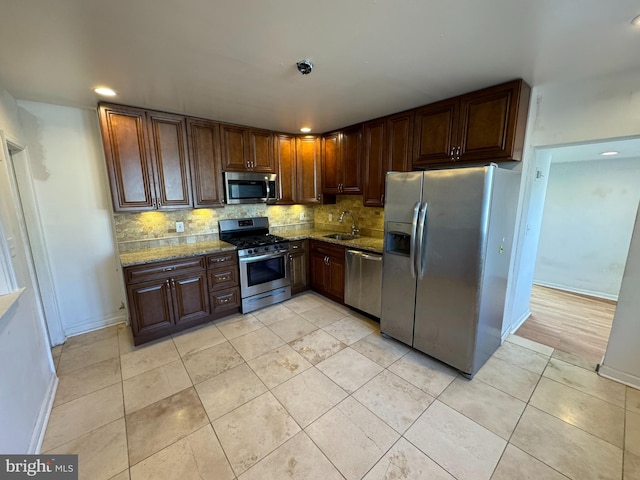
x=158 y=228
x=370 y=220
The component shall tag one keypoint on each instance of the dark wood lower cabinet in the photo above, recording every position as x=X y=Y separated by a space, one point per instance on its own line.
x=166 y=297
x=299 y=265
x=327 y=269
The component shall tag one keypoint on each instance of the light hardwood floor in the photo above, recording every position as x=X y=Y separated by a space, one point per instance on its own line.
x=570 y=322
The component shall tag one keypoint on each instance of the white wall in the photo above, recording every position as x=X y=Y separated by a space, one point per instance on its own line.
x=27 y=378
x=622 y=358
x=607 y=107
x=71 y=188
x=587 y=223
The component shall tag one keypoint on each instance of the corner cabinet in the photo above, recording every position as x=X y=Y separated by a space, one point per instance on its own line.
x=387 y=148
x=327 y=267
x=341 y=162
x=147 y=160
x=247 y=149
x=486 y=125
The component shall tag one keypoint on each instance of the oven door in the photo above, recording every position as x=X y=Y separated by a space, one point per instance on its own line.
x=263 y=273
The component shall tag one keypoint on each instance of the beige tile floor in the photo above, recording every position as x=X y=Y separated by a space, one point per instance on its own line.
x=310 y=390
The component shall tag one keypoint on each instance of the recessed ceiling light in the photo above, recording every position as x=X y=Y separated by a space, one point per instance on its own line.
x=608 y=154
x=305 y=129
x=636 y=21
x=105 y=91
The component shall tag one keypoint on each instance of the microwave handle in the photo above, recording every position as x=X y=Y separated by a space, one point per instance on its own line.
x=266 y=182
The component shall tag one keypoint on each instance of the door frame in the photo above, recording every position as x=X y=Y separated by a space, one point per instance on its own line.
x=26 y=206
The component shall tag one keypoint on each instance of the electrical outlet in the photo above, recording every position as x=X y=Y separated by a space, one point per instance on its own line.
x=179 y=227
x=331 y=217
x=302 y=216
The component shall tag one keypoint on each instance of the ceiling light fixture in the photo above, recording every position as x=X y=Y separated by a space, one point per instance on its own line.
x=636 y=21
x=305 y=129
x=608 y=154
x=105 y=91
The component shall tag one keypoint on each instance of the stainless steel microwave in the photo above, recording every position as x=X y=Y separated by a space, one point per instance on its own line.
x=249 y=187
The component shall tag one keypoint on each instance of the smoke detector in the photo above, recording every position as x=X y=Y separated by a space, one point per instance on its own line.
x=304 y=67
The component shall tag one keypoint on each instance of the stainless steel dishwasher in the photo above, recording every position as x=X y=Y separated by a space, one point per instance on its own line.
x=363 y=282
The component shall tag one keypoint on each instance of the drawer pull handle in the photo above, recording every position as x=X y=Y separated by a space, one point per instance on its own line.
x=223 y=278
x=223 y=259
x=295 y=247
x=168 y=269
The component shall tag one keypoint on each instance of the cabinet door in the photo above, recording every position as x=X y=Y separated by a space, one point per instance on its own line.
x=299 y=266
x=331 y=175
x=335 y=279
x=128 y=159
x=206 y=168
x=151 y=307
x=168 y=138
x=307 y=190
x=317 y=274
x=233 y=148
x=191 y=298
x=352 y=160
x=399 y=142
x=284 y=146
x=375 y=163
x=489 y=122
x=260 y=155
x=435 y=133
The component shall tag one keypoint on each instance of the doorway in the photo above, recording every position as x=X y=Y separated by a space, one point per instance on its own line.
x=586 y=216
x=32 y=237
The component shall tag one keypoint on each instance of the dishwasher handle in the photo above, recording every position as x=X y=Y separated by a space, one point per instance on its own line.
x=366 y=256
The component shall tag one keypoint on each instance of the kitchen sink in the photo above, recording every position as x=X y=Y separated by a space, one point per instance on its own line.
x=341 y=236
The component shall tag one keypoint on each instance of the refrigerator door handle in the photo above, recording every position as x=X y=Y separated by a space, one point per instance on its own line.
x=421 y=239
x=413 y=240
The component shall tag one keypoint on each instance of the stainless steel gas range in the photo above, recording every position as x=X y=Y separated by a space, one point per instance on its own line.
x=263 y=259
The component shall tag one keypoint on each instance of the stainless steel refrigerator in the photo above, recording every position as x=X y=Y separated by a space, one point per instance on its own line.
x=447 y=249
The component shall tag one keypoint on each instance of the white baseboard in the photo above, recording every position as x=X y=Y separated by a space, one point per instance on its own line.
x=590 y=293
x=516 y=325
x=43 y=417
x=96 y=325
x=619 y=376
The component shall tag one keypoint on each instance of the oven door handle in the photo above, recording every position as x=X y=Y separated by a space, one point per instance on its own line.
x=281 y=253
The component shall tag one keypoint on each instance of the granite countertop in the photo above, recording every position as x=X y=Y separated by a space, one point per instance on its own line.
x=150 y=255
x=370 y=244
x=157 y=254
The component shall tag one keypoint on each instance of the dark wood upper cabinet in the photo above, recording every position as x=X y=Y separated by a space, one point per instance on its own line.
x=284 y=146
x=206 y=167
x=352 y=160
x=308 y=169
x=168 y=140
x=147 y=159
x=247 y=149
x=341 y=161
x=436 y=131
x=485 y=125
x=387 y=147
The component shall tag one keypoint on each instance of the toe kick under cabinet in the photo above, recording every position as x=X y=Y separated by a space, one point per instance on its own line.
x=169 y=296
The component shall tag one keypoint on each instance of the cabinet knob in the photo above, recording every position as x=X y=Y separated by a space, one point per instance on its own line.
x=167 y=283
x=173 y=283
x=318 y=197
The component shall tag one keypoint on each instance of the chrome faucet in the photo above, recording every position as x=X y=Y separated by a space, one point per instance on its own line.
x=354 y=230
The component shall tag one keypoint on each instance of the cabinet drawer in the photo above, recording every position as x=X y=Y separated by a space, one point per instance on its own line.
x=151 y=271
x=223 y=277
x=224 y=300
x=226 y=258
x=297 y=245
x=324 y=248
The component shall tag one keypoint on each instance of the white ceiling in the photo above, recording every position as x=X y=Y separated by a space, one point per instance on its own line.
x=627 y=148
x=234 y=60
